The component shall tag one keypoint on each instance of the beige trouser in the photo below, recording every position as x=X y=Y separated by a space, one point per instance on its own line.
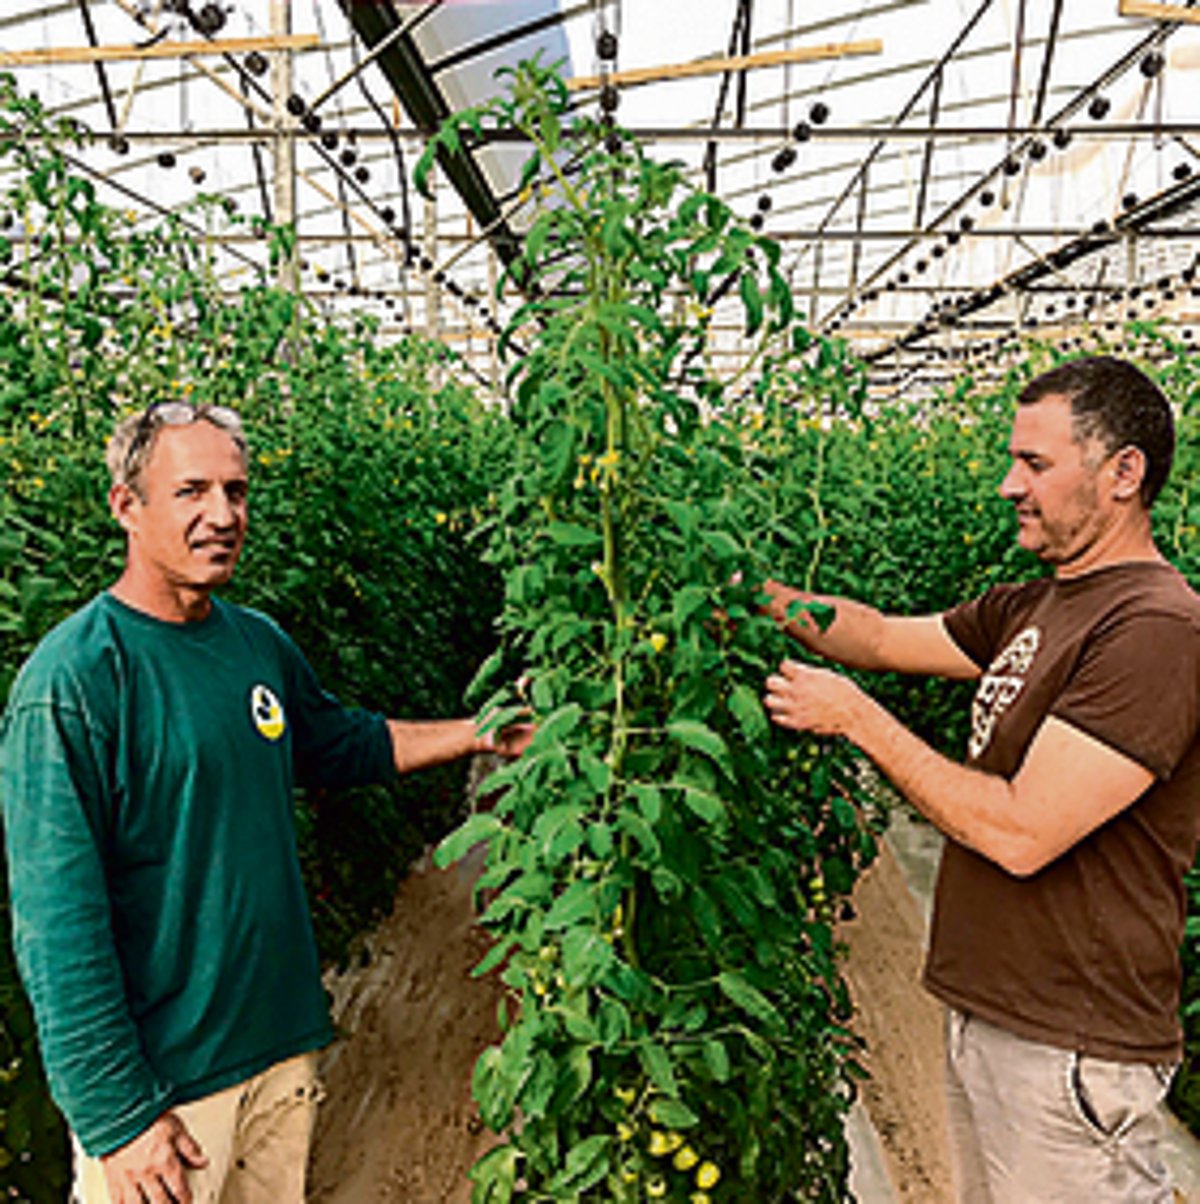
x=1034 y=1124
x=255 y=1135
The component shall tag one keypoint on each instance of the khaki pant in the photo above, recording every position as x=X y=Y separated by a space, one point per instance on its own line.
x=255 y=1135
x=1034 y=1124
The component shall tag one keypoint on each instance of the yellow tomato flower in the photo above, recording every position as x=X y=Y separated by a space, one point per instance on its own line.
x=686 y=1158
x=439 y=518
x=658 y=641
x=700 y=1197
x=674 y=1141
x=707 y=1175
x=658 y=1143
x=624 y=1131
x=656 y=1188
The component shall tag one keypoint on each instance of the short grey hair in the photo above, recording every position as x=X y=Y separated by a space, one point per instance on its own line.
x=128 y=451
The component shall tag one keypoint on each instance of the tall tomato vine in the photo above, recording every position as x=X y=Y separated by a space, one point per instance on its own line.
x=661 y=863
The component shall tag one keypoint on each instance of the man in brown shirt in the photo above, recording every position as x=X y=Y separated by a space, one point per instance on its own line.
x=1060 y=905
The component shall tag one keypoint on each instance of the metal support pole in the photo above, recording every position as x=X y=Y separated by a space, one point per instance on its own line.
x=283 y=143
x=493 y=276
x=433 y=297
x=935 y=104
x=860 y=218
x=816 y=284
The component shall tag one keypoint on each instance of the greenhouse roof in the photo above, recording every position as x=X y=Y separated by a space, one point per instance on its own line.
x=942 y=174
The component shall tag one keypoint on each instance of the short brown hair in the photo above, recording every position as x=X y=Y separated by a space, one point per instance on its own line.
x=1118 y=405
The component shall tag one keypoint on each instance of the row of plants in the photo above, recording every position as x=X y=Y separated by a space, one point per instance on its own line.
x=369 y=464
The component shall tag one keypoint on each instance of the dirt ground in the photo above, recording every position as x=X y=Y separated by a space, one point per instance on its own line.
x=903 y=1029
x=399 y=1125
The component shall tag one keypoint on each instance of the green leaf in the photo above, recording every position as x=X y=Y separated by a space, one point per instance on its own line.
x=577 y=902
x=672 y=1113
x=687 y=602
x=629 y=821
x=613 y=1022
x=749 y=998
x=723 y=545
x=587 y=956
x=657 y=1064
x=706 y=806
x=553 y=820
x=556 y=450
x=702 y=739
x=716 y=1059
x=843 y=814
x=494 y=957
x=822 y=613
x=752 y=301
x=600 y=839
x=495 y=1175
x=649 y=800
x=572 y=535
x=587 y=1162
x=747 y=709
x=557 y=726
x=478 y=827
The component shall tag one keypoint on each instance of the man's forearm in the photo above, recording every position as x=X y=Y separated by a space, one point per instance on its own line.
x=421 y=744
x=976 y=809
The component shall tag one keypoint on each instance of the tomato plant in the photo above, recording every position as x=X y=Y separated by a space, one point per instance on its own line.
x=663 y=865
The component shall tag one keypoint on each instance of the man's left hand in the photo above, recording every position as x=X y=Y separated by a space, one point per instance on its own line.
x=812 y=700
x=512 y=741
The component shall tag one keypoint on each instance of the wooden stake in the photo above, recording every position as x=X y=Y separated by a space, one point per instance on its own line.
x=57 y=55
x=772 y=58
x=1159 y=12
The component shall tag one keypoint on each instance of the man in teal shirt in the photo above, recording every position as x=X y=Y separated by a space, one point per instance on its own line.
x=147 y=761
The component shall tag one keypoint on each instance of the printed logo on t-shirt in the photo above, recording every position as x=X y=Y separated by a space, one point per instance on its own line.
x=999 y=687
x=267 y=713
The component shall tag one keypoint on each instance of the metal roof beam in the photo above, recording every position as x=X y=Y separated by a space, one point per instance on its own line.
x=910 y=104
x=418 y=91
x=1039 y=103
x=927 y=157
x=764 y=134
x=1123 y=63
x=710 y=151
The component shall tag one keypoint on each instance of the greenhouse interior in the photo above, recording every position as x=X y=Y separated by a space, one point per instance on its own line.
x=590 y=366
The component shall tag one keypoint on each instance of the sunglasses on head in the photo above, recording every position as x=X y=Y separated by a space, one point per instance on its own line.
x=176 y=413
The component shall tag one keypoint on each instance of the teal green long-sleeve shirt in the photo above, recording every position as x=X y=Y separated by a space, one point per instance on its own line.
x=159 y=917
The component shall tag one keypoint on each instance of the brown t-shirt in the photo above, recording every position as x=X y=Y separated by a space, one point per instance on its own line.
x=1083 y=954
